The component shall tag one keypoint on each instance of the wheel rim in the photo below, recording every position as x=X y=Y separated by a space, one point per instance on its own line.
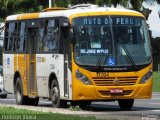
x=54 y=95
x=18 y=93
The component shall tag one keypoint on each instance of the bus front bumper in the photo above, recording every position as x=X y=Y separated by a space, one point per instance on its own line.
x=96 y=93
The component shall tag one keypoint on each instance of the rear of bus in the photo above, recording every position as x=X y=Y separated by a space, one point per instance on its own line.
x=111 y=57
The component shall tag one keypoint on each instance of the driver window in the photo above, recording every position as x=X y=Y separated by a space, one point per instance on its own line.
x=106 y=37
x=123 y=35
x=84 y=37
x=95 y=41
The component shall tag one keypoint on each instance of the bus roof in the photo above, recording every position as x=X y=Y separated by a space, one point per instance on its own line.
x=81 y=10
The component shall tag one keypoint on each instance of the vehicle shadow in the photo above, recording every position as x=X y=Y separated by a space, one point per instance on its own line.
x=112 y=108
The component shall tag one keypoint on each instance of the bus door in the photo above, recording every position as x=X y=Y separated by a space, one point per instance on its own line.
x=33 y=36
x=65 y=49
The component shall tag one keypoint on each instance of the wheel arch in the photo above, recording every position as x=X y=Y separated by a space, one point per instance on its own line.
x=51 y=78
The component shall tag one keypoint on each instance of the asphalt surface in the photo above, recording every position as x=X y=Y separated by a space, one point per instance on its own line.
x=143 y=109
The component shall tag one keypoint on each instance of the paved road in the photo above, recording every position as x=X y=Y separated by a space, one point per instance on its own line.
x=147 y=109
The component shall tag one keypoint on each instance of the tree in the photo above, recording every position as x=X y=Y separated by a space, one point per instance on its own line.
x=136 y=4
x=62 y=3
x=9 y=7
x=74 y=2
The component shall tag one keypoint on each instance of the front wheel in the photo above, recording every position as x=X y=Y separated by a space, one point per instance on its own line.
x=126 y=104
x=55 y=94
x=20 y=98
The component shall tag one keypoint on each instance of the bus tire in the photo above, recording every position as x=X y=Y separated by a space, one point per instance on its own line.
x=20 y=98
x=126 y=104
x=55 y=94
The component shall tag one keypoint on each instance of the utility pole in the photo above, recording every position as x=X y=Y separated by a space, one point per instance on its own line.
x=50 y=3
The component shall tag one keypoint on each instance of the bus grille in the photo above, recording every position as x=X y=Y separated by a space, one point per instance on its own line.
x=107 y=93
x=115 y=81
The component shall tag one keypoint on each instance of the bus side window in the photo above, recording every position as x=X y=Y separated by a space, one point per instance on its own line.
x=41 y=36
x=6 y=36
x=10 y=36
x=16 y=37
x=51 y=37
x=22 y=37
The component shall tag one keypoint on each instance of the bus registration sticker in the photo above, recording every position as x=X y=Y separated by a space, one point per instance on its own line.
x=115 y=91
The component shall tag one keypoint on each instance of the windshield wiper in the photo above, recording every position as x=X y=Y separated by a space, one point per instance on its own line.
x=128 y=54
x=99 y=62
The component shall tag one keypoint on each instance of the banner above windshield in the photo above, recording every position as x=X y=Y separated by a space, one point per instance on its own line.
x=114 y=20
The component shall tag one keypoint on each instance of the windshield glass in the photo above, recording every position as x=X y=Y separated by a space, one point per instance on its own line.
x=111 y=41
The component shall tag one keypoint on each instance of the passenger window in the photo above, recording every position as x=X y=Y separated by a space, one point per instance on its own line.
x=15 y=46
x=15 y=36
x=11 y=36
x=22 y=36
x=48 y=41
x=6 y=36
x=41 y=35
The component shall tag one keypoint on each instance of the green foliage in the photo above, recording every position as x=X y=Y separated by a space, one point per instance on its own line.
x=75 y=108
x=136 y=4
x=22 y=113
x=103 y=2
x=124 y=3
x=75 y=2
x=155 y=43
x=156 y=81
x=62 y=3
x=9 y=7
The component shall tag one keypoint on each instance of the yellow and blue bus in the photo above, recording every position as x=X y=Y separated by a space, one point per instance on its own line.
x=80 y=54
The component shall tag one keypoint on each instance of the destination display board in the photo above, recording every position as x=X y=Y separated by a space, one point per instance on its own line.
x=106 y=20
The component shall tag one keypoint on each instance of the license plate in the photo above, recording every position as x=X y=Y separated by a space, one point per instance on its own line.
x=115 y=91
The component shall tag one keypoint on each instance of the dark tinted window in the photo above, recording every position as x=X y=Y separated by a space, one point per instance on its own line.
x=48 y=35
x=22 y=37
x=15 y=36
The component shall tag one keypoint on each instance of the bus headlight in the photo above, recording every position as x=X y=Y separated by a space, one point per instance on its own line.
x=146 y=77
x=82 y=78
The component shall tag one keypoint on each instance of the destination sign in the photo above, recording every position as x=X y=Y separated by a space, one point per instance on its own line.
x=94 y=51
x=107 y=20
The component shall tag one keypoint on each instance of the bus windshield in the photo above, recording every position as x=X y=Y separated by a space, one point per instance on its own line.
x=111 y=41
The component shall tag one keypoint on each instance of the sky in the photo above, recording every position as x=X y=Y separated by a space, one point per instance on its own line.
x=154 y=20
